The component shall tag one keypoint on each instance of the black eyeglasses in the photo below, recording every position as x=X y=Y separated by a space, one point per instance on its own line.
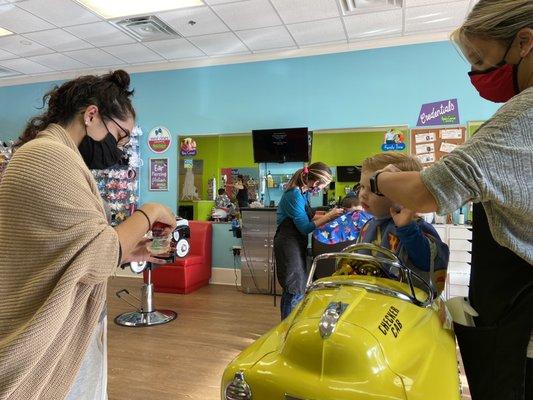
x=127 y=133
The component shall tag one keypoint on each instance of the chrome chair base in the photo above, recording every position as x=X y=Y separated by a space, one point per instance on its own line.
x=140 y=319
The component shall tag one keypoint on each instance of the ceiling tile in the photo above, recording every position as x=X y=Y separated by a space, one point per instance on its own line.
x=22 y=46
x=5 y=55
x=94 y=57
x=175 y=49
x=134 y=53
x=25 y=66
x=385 y=23
x=416 y=3
x=435 y=18
x=213 y=2
x=266 y=38
x=100 y=34
x=58 y=39
x=335 y=42
x=249 y=14
x=17 y=20
x=206 y=21
x=59 y=12
x=328 y=30
x=276 y=51
x=57 y=61
x=220 y=43
x=292 y=11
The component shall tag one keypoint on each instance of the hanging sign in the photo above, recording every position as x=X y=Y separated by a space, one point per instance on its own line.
x=393 y=140
x=188 y=147
x=159 y=174
x=444 y=112
x=159 y=139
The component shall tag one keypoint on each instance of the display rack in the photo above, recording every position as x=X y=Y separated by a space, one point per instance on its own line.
x=6 y=150
x=119 y=186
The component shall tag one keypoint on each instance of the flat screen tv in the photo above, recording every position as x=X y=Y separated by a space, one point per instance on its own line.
x=348 y=173
x=281 y=145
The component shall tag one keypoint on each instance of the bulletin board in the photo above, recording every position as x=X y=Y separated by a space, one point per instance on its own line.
x=431 y=144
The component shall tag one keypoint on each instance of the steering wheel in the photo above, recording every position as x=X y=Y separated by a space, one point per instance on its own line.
x=374 y=267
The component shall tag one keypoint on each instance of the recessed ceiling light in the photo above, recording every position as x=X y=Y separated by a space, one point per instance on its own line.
x=5 y=32
x=121 y=8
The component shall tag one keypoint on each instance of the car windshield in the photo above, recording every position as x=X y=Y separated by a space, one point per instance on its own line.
x=374 y=273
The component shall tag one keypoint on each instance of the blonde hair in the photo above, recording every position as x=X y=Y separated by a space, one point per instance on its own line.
x=315 y=172
x=399 y=160
x=494 y=20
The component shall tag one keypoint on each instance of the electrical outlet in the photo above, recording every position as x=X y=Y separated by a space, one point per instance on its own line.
x=236 y=250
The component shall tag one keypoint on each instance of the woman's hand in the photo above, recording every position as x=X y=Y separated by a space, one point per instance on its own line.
x=160 y=213
x=131 y=232
x=141 y=253
x=334 y=213
x=402 y=216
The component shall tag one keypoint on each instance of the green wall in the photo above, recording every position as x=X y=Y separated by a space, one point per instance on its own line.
x=332 y=147
x=222 y=151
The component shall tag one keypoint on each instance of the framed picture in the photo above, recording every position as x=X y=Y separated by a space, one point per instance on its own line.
x=158 y=174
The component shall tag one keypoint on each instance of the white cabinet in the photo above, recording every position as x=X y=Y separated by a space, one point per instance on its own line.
x=459 y=267
x=460 y=256
x=460 y=244
x=459 y=232
x=459 y=240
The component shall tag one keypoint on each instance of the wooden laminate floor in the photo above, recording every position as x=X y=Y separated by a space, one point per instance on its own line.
x=185 y=358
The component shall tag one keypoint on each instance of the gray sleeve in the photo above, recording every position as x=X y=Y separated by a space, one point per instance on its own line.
x=456 y=179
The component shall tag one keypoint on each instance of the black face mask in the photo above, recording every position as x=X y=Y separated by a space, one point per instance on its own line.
x=100 y=154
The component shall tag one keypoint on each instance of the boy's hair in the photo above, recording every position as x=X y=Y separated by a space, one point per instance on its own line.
x=349 y=202
x=402 y=161
x=221 y=191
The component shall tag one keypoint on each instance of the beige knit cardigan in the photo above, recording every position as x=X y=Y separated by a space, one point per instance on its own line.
x=56 y=253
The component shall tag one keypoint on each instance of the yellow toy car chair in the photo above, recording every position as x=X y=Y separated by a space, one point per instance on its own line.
x=377 y=333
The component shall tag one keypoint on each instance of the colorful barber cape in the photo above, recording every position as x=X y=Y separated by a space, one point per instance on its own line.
x=345 y=228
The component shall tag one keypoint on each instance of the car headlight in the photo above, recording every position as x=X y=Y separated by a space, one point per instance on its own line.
x=238 y=389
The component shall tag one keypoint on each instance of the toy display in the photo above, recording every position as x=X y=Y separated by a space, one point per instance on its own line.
x=119 y=186
x=6 y=151
x=369 y=334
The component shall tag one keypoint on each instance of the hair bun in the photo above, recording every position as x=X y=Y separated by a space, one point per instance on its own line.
x=120 y=78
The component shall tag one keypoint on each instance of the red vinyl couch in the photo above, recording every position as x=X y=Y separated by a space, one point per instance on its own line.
x=190 y=273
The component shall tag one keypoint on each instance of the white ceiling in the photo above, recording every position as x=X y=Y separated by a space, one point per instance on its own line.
x=56 y=39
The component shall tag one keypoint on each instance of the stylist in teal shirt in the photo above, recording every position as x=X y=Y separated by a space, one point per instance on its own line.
x=296 y=220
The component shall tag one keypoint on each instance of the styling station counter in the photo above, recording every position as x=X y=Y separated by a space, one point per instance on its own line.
x=258 y=267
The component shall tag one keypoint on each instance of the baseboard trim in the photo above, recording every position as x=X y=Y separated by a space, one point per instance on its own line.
x=219 y=276
x=225 y=276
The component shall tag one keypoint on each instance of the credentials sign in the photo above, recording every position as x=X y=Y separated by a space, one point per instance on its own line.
x=445 y=112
